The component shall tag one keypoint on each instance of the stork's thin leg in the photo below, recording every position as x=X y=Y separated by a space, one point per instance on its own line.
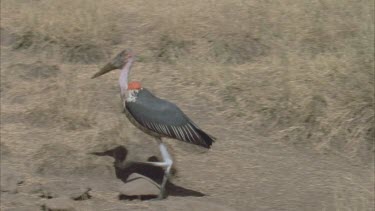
x=168 y=161
x=166 y=164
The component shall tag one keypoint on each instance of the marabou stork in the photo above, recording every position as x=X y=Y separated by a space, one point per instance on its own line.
x=154 y=116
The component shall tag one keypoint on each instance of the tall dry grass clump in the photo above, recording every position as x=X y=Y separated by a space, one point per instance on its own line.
x=300 y=71
x=70 y=28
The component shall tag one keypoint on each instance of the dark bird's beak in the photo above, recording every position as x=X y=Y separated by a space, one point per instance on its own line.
x=107 y=68
x=117 y=63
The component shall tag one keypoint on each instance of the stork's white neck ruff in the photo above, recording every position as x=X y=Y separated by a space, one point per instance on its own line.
x=132 y=95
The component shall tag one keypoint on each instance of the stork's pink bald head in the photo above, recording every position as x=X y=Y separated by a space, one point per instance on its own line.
x=129 y=55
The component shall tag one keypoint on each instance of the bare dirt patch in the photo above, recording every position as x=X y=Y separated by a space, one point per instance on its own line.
x=286 y=87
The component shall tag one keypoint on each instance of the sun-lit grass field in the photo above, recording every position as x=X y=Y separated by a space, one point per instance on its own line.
x=296 y=71
x=301 y=70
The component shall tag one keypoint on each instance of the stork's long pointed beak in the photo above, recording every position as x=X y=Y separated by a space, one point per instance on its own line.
x=117 y=63
x=107 y=68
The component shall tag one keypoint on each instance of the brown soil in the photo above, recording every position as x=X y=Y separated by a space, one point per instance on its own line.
x=286 y=140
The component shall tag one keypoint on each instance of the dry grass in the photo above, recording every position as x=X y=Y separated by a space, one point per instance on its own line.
x=356 y=199
x=299 y=69
x=296 y=71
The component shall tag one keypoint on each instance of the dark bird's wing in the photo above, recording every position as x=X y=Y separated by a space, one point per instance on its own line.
x=167 y=119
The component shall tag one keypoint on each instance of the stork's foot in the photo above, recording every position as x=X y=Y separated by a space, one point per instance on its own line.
x=158 y=198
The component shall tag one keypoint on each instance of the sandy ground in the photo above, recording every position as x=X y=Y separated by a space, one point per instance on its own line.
x=60 y=154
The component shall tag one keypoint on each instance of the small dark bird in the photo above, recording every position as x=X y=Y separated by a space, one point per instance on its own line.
x=154 y=116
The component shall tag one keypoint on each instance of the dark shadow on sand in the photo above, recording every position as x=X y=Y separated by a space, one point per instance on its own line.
x=124 y=169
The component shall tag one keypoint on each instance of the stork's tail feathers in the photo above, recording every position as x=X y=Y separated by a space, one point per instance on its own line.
x=207 y=140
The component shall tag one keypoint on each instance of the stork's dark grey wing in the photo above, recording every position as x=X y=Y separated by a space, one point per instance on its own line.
x=167 y=119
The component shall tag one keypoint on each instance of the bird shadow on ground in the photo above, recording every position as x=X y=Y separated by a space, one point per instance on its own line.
x=125 y=168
